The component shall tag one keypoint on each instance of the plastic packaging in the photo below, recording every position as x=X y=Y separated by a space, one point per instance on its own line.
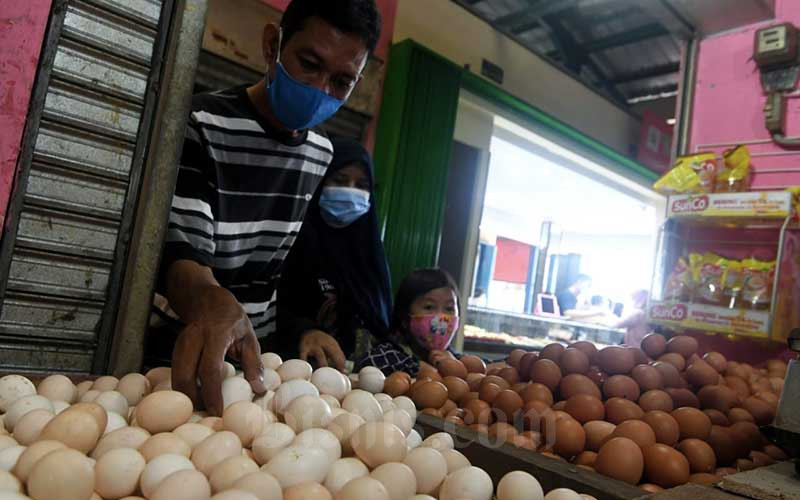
x=732 y=288
x=757 y=282
x=709 y=273
x=690 y=174
x=734 y=176
x=679 y=283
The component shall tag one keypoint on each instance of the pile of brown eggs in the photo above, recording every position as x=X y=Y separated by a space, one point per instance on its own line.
x=658 y=417
x=315 y=435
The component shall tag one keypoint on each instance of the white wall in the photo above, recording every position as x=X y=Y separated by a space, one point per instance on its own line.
x=453 y=32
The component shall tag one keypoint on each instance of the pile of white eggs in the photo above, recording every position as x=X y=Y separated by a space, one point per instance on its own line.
x=311 y=436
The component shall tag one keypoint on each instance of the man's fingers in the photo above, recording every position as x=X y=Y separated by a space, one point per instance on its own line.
x=252 y=366
x=185 y=358
x=210 y=371
x=335 y=354
x=319 y=355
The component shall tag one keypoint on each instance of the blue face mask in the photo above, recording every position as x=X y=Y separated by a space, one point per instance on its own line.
x=341 y=206
x=296 y=105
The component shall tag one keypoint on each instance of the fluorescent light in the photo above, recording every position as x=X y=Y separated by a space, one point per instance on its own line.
x=670 y=121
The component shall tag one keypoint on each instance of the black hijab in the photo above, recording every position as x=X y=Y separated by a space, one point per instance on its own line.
x=353 y=256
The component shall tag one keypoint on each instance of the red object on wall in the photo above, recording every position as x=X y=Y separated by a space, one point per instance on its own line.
x=512 y=261
x=22 y=27
x=655 y=142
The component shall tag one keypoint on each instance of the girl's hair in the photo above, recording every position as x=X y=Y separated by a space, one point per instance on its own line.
x=416 y=284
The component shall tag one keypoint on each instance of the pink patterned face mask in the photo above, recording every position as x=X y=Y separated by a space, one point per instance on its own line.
x=434 y=332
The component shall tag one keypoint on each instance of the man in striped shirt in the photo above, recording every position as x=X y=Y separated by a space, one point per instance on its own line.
x=251 y=161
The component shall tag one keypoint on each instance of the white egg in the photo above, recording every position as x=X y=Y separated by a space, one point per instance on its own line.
x=294 y=369
x=322 y=439
x=330 y=381
x=307 y=412
x=562 y=494
x=388 y=406
x=59 y=406
x=271 y=361
x=298 y=464
x=469 y=483
x=398 y=479
x=235 y=389
x=234 y=495
x=455 y=460
x=113 y=401
x=273 y=439
x=229 y=370
x=363 y=488
x=413 y=439
x=405 y=403
x=343 y=471
x=9 y=457
x=58 y=388
x=440 y=441
x=371 y=379
x=261 y=484
x=399 y=418
x=430 y=469
x=335 y=412
x=161 y=467
x=271 y=379
x=22 y=406
x=519 y=485
x=332 y=401
x=265 y=400
x=9 y=483
x=13 y=387
x=114 y=422
x=289 y=391
x=363 y=404
x=382 y=396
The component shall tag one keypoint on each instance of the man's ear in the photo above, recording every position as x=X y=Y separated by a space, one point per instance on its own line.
x=269 y=42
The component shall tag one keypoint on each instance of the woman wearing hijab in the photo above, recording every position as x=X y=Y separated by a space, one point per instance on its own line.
x=335 y=290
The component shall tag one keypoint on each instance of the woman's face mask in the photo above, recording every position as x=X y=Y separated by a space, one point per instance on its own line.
x=433 y=332
x=341 y=206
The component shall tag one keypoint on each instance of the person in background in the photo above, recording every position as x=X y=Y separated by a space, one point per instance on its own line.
x=335 y=285
x=635 y=321
x=252 y=158
x=424 y=321
x=569 y=300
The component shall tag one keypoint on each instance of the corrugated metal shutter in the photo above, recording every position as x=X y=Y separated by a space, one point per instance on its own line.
x=63 y=254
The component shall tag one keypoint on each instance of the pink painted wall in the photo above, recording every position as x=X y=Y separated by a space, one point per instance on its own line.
x=729 y=101
x=22 y=26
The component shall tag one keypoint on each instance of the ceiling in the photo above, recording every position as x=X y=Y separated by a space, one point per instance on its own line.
x=628 y=50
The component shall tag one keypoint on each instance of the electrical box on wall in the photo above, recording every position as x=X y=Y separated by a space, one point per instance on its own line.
x=776 y=46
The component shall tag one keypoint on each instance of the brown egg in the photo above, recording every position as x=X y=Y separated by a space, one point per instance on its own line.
x=452 y=368
x=456 y=388
x=570 y=438
x=770 y=398
x=447 y=407
x=552 y=455
x=502 y=432
x=716 y=360
x=561 y=405
x=532 y=413
x=597 y=376
x=675 y=359
x=739 y=385
x=704 y=478
x=669 y=374
x=691 y=359
x=533 y=436
x=639 y=357
x=585 y=408
x=479 y=428
x=427 y=372
x=494 y=379
x=637 y=431
x=683 y=397
x=664 y=426
x=494 y=368
x=651 y=488
x=777 y=367
x=396 y=385
x=656 y=400
x=777 y=385
x=515 y=356
x=575 y=384
x=75 y=428
x=665 y=466
x=587 y=348
x=468 y=397
x=724 y=445
x=616 y=360
x=552 y=352
x=455 y=420
x=519 y=387
x=701 y=373
x=740 y=415
x=744 y=464
x=700 y=455
x=747 y=435
x=717 y=417
x=683 y=345
x=434 y=412
x=430 y=394
x=525 y=364
x=596 y=433
x=775 y=452
x=477 y=412
x=586 y=458
x=621 y=386
x=620 y=458
x=693 y=423
x=546 y=372
x=539 y=392
x=506 y=405
x=724 y=471
x=654 y=345
x=619 y=410
x=489 y=392
x=761 y=459
x=474 y=381
x=647 y=377
x=717 y=397
x=510 y=375
x=574 y=361
x=761 y=411
x=474 y=364
x=523 y=442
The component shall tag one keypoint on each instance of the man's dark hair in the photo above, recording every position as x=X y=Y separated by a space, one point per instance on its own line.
x=416 y=284
x=360 y=17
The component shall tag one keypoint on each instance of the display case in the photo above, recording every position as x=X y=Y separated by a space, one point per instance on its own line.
x=739 y=251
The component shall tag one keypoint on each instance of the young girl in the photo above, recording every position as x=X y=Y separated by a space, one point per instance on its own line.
x=424 y=321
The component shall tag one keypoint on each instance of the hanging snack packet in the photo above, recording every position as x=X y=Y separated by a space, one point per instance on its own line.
x=757 y=282
x=679 y=282
x=732 y=288
x=709 y=275
x=734 y=176
x=680 y=179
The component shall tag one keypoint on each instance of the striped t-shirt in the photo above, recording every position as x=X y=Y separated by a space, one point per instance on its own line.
x=242 y=192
